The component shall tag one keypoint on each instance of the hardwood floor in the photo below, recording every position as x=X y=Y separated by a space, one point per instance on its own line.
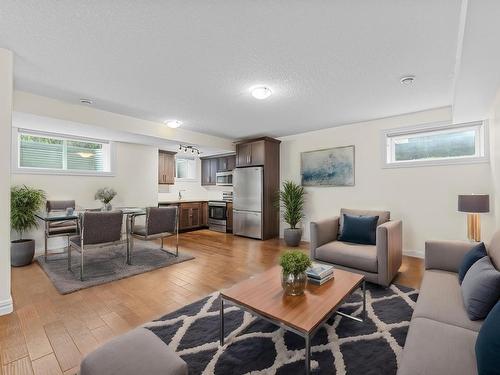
x=49 y=333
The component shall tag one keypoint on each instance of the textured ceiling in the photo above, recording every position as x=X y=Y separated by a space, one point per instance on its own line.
x=328 y=62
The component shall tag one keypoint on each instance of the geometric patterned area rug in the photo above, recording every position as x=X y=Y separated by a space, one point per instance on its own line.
x=255 y=346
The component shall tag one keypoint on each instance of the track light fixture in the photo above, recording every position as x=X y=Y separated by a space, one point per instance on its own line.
x=193 y=149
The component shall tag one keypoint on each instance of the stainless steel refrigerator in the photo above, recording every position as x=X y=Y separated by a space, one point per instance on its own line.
x=247 y=201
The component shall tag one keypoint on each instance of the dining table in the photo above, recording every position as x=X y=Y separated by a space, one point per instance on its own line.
x=64 y=215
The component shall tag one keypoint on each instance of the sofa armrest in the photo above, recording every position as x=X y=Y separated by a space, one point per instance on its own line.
x=322 y=232
x=446 y=255
x=389 y=250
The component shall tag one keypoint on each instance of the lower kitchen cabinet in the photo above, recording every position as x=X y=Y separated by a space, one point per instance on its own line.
x=229 y=219
x=192 y=215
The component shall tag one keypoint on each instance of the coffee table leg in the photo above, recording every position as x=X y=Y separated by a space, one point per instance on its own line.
x=308 y=354
x=364 y=300
x=221 y=321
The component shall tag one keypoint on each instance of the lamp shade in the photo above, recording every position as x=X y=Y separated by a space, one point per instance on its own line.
x=475 y=203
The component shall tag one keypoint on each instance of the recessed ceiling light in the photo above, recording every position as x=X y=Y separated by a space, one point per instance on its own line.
x=408 y=80
x=261 y=92
x=174 y=124
x=86 y=101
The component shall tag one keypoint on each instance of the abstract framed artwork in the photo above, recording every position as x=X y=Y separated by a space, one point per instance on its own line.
x=328 y=167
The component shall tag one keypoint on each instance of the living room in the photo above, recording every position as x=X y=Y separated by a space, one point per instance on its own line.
x=143 y=154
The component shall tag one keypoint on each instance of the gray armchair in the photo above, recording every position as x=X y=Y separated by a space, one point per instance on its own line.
x=66 y=228
x=379 y=263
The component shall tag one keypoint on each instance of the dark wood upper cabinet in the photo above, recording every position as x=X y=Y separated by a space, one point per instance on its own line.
x=250 y=154
x=166 y=167
x=211 y=165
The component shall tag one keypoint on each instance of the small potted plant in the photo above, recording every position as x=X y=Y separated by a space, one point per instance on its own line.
x=294 y=279
x=291 y=199
x=24 y=203
x=105 y=195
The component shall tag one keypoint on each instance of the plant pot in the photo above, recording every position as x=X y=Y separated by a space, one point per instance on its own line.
x=292 y=236
x=294 y=285
x=22 y=252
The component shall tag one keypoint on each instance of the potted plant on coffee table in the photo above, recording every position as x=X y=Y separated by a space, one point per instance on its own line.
x=291 y=199
x=25 y=202
x=294 y=278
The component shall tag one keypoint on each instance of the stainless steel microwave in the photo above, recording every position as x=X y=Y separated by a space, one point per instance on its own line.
x=224 y=178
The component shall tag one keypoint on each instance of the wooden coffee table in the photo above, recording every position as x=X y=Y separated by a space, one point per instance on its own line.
x=262 y=295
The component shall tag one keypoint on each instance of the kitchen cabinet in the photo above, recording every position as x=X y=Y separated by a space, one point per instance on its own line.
x=226 y=163
x=251 y=153
x=204 y=214
x=166 y=167
x=211 y=165
x=229 y=219
x=190 y=215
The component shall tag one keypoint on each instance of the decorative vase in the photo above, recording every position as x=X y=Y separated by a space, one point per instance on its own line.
x=294 y=285
x=22 y=252
x=107 y=207
x=292 y=236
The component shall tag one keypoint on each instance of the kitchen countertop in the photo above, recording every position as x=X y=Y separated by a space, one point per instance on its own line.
x=177 y=201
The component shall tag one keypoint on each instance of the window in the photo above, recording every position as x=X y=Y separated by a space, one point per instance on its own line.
x=435 y=144
x=185 y=168
x=47 y=153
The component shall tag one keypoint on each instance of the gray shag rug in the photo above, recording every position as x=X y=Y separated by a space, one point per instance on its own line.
x=255 y=346
x=105 y=265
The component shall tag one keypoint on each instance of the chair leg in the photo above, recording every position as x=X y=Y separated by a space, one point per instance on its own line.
x=177 y=245
x=69 y=257
x=162 y=243
x=45 y=246
x=130 y=251
x=81 y=265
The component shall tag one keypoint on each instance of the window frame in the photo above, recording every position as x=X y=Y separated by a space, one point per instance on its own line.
x=388 y=137
x=16 y=151
x=195 y=166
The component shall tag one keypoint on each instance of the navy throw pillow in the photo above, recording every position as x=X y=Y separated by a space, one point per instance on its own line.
x=481 y=288
x=488 y=344
x=471 y=257
x=359 y=229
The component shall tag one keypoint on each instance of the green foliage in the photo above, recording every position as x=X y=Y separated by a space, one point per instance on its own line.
x=24 y=203
x=291 y=200
x=294 y=262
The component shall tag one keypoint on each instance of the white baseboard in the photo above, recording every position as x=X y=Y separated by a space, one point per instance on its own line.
x=414 y=253
x=6 y=306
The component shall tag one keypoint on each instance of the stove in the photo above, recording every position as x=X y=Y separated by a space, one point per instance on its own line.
x=217 y=215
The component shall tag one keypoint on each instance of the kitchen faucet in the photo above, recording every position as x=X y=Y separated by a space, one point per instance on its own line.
x=180 y=194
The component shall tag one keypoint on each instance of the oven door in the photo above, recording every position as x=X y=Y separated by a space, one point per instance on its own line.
x=217 y=212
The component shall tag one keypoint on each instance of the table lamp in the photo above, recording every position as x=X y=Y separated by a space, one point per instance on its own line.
x=473 y=205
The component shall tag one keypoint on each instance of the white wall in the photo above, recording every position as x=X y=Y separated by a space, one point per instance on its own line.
x=495 y=153
x=6 y=87
x=135 y=181
x=192 y=189
x=425 y=198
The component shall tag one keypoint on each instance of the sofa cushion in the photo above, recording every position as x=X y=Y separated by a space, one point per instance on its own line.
x=471 y=257
x=440 y=299
x=383 y=216
x=139 y=351
x=481 y=288
x=363 y=257
x=494 y=250
x=488 y=343
x=359 y=229
x=433 y=348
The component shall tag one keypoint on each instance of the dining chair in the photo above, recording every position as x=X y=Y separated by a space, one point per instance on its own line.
x=97 y=230
x=161 y=222
x=60 y=228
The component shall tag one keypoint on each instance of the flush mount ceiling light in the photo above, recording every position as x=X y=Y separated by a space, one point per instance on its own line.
x=85 y=155
x=86 y=101
x=261 y=92
x=407 y=80
x=174 y=124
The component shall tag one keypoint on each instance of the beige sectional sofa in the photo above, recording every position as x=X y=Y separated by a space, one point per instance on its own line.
x=442 y=338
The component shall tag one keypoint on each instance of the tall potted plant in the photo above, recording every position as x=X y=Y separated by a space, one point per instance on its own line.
x=291 y=198
x=24 y=203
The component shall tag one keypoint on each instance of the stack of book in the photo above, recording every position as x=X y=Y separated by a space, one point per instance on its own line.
x=319 y=273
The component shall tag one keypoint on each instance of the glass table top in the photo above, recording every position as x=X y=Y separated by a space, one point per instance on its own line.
x=62 y=215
